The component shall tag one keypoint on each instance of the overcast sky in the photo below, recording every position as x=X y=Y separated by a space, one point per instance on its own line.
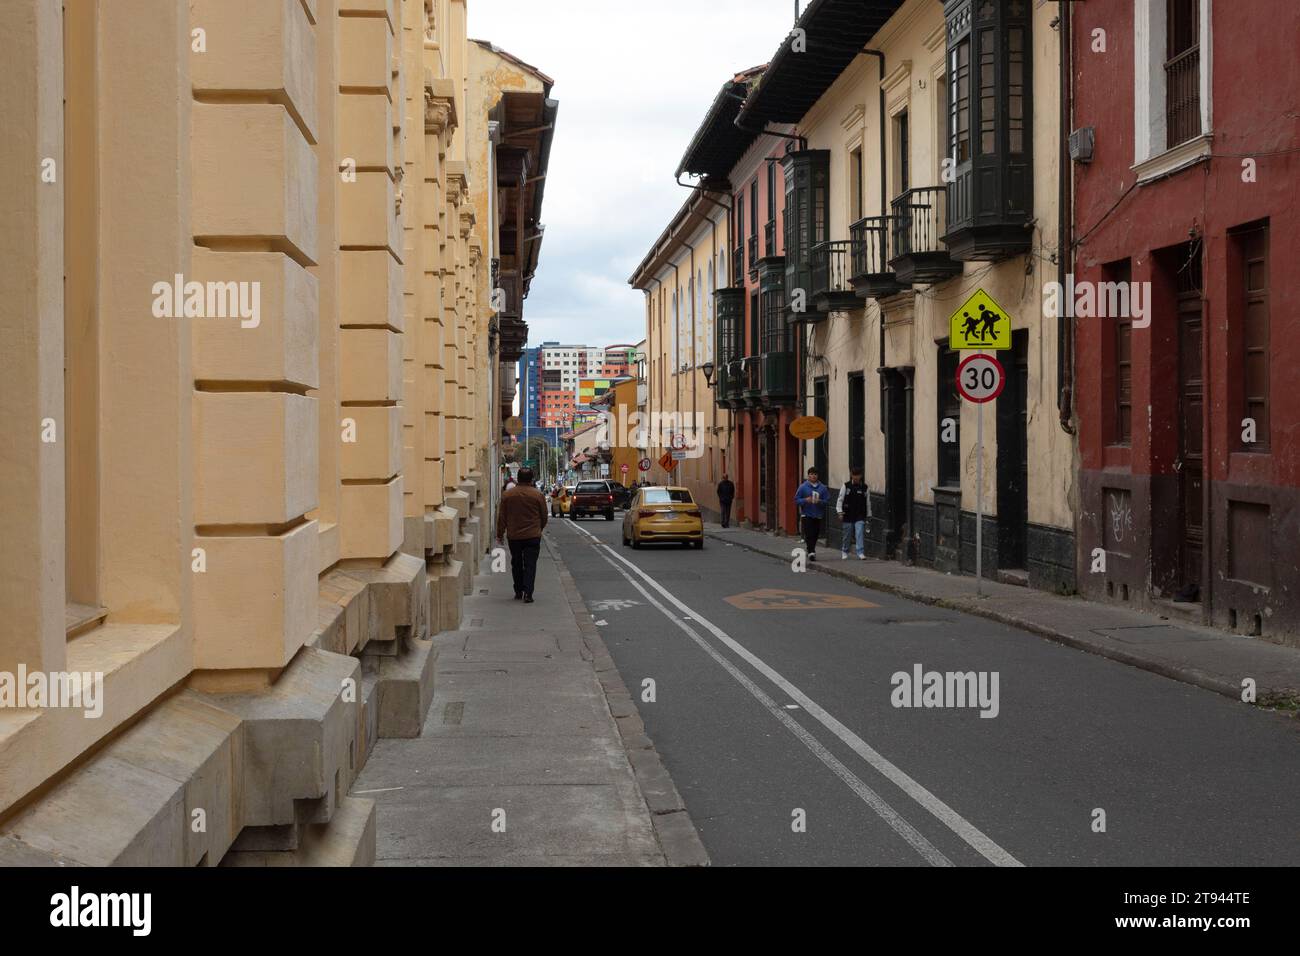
x=633 y=80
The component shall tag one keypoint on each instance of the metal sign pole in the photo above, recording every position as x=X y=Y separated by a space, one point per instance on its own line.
x=979 y=502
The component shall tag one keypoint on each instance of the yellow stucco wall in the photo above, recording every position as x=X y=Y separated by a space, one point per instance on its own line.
x=847 y=117
x=217 y=469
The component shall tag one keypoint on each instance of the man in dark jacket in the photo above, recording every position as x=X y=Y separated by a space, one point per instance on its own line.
x=726 y=495
x=854 y=508
x=521 y=517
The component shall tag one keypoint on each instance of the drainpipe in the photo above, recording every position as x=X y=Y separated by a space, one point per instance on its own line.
x=703 y=193
x=1065 y=227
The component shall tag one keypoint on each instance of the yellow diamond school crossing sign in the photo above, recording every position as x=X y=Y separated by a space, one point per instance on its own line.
x=980 y=324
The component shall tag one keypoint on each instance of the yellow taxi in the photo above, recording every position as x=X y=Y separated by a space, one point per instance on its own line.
x=560 y=503
x=660 y=513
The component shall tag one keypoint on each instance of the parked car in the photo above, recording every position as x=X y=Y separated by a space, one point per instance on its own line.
x=560 y=502
x=659 y=513
x=593 y=497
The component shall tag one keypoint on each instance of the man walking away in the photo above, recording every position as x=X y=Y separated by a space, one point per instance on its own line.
x=520 y=519
x=854 y=508
x=726 y=495
x=811 y=500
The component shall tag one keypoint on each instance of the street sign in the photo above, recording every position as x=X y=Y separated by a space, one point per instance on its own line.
x=808 y=428
x=666 y=461
x=679 y=456
x=980 y=323
x=514 y=425
x=980 y=378
x=643 y=464
x=623 y=469
x=679 y=442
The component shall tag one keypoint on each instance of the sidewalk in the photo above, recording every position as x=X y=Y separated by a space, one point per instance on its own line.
x=524 y=721
x=1190 y=653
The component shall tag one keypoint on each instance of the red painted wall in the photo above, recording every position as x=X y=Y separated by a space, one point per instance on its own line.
x=746 y=473
x=1256 y=111
x=1255 y=80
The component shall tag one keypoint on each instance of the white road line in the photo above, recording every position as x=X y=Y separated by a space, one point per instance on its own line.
x=959 y=825
x=872 y=799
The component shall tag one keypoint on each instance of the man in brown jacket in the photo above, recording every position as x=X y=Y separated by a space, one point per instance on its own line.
x=521 y=517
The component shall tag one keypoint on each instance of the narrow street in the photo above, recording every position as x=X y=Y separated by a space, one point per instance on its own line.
x=760 y=712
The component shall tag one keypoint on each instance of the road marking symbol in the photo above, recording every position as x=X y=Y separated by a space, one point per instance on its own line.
x=779 y=599
x=950 y=818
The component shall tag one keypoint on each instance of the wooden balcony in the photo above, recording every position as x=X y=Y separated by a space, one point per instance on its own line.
x=777 y=373
x=832 y=285
x=919 y=253
x=871 y=274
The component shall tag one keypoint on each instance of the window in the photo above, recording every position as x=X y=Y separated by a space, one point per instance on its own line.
x=959 y=111
x=1182 y=72
x=769 y=230
x=1122 y=429
x=807 y=187
x=949 y=407
x=1249 y=313
x=902 y=152
x=1172 y=88
x=989 y=194
x=855 y=184
x=665 y=496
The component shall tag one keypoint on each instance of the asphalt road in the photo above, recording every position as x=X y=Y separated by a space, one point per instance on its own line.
x=768 y=716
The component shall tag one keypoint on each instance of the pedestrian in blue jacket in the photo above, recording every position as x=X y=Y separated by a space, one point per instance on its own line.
x=811 y=500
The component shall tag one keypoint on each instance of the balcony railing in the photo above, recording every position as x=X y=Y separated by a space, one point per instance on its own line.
x=735 y=382
x=1183 y=97
x=738 y=266
x=871 y=275
x=919 y=255
x=752 y=381
x=722 y=383
x=769 y=238
x=777 y=379
x=832 y=285
x=753 y=256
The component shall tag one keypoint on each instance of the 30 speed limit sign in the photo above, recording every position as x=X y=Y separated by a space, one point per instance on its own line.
x=980 y=378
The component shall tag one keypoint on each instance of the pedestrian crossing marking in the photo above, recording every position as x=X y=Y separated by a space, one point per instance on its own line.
x=777 y=599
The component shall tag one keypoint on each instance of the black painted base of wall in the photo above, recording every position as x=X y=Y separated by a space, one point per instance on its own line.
x=1250 y=570
x=942 y=537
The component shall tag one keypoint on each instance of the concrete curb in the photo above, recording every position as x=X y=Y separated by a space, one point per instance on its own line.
x=673 y=828
x=1186 y=675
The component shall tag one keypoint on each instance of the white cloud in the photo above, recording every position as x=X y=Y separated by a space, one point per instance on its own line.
x=634 y=81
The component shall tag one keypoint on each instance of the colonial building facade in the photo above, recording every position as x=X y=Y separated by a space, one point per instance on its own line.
x=252 y=373
x=886 y=164
x=1188 y=481
x=678 y=277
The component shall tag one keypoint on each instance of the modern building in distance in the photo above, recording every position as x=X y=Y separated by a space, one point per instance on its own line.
x=550 y=376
